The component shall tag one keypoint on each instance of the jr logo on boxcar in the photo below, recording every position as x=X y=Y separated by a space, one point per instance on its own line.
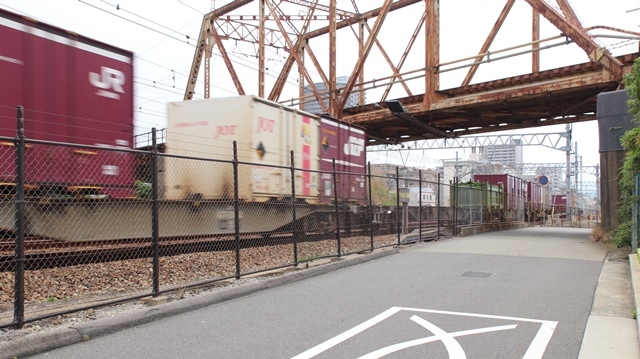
x=265 y=125
x=225 y=131
x=354 y=147
x=109 y=81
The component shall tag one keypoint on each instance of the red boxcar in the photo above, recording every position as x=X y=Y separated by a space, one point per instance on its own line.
x=559 y=203
x=75 y=90
x=515 y=193
x=534 y=196
x=345 y=143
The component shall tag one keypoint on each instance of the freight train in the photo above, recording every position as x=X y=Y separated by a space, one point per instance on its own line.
x=224 y=159
x=265 y=133
x=501 y=197
x=78 y=90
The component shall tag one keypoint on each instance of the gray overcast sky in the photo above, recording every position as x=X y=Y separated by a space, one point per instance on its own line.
x=164 y=55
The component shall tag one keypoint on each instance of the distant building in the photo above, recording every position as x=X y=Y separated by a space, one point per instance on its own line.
x=408 y=178
x=312 y=106
x=508 y=154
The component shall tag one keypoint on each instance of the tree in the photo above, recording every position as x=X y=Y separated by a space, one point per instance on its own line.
x=381 y=193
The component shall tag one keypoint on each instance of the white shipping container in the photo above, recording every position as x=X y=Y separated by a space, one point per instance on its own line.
x=265 y=132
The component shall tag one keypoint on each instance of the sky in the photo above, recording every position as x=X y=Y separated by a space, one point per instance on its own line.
x=162 y=33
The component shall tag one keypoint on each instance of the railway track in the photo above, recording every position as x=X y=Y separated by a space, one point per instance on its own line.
x=47 y=253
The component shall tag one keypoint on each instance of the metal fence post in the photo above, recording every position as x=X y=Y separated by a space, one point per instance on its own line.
x=155 y=235
x=455 y=206
x=491 y=202
x=438 y=199
x=293 y=210
x=335 y=199
x=236 y=209
x=472 y=202
x=398 y=224
x=18 y=313
x=419 y=205
x=370 y=205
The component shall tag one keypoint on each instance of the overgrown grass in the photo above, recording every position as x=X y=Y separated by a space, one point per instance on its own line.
x=599 y=235
x=621 y=235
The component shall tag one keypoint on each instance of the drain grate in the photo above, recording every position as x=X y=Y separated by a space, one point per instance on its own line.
x=477 y=274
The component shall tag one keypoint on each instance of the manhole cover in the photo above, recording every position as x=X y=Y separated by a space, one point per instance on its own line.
x=477 y=274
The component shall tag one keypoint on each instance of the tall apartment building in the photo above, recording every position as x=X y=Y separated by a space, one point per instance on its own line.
x=509 y=154
x=312 y=106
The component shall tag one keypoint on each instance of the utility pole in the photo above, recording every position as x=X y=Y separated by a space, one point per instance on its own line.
x=574 y=199
x=581 y=185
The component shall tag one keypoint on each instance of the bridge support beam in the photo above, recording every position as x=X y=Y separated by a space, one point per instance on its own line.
x=611 y=163
x=432 y=49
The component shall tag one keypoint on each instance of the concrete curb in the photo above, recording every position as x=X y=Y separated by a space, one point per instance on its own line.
x=634 y=265
x=39 y=343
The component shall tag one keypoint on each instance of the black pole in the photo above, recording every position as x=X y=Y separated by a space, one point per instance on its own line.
x=335 y=200
x=398 y=202
x=370 y=205
x=438 y=199
x=155 y=234
x=420 y=205
x=454 y=228
x=490 y=219
x=18 y=314
x=236 y=209
x=293 y=210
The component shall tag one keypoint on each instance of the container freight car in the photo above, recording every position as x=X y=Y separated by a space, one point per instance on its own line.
x=515 y=193
x=345 y=143
x=74 y=89
x=478 y=201
x=559 y=203
x=266 y=133
x=538 y=202
x=196 y=178
x=534 y=205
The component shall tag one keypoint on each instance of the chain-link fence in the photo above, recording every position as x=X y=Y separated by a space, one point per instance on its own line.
x=86 y=226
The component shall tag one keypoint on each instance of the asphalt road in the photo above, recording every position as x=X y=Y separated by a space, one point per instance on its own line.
x=514 y=294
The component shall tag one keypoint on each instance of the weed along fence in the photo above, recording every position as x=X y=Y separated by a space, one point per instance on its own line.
x=149 y=223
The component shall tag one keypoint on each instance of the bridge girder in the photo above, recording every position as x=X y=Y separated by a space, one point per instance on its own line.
x=541 y=98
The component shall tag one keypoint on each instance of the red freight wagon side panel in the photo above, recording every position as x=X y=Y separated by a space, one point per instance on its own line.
x=534 y=196
x=346 y=144
x=74 y=90
x=559 y=202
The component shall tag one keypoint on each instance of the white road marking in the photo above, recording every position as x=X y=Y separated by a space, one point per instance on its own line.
x=535 y=351
x=453 y=347
x=412 y=343
x=539 y=343
x=348 y=334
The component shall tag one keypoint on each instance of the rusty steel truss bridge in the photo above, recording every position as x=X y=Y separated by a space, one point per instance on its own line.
x=538 y=98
